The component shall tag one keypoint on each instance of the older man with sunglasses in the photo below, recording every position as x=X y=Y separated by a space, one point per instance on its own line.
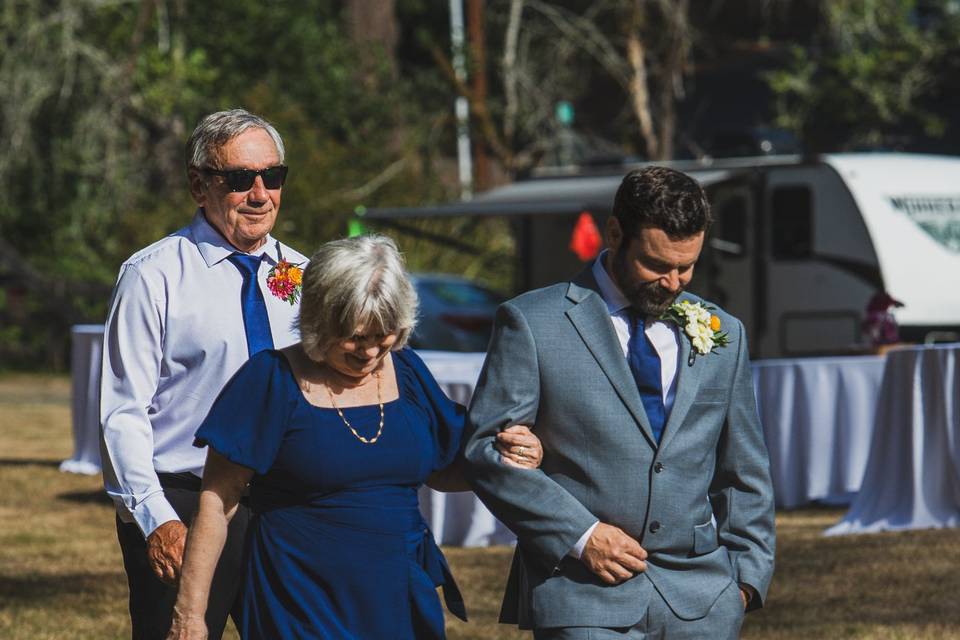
x=186 y=312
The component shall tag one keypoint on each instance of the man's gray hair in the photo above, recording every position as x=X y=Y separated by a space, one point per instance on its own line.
x=217 y=129
x=351 y=283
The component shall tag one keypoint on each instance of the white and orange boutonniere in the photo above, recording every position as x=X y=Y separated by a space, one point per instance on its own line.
x=701 y=326
x=285 y=281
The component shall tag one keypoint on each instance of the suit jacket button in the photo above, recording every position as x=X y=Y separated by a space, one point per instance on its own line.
x=654 y=526
x=657 y=468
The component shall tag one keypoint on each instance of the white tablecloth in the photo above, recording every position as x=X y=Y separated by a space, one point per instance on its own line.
x=912 y=479
x=817 y=416
x=85 y=354
x=459 y=518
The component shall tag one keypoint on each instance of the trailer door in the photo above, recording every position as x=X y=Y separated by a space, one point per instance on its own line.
x=820 y=265
x=727 y=276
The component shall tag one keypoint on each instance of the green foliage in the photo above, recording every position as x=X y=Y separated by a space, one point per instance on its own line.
x=97 y=99
x=868 y=79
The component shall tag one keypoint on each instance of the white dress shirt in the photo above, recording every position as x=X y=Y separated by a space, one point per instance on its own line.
x=174 y=336
x=662 y=335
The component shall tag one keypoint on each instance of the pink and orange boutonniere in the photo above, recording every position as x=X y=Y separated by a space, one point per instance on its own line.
x=285 y=281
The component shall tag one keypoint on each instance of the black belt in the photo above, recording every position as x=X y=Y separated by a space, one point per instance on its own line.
x=186 y=481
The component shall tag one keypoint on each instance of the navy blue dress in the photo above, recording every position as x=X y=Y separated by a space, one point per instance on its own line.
x=337 y=547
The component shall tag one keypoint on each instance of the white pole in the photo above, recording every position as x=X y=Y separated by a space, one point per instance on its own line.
x=461 y=106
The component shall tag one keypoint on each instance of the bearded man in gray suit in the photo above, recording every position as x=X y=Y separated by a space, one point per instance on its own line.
x=652 y=513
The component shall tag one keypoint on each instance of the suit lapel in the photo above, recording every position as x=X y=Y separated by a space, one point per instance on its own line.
x=591 y=319
x=688 y=382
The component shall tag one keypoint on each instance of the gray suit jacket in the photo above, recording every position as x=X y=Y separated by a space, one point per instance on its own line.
x=701 y=503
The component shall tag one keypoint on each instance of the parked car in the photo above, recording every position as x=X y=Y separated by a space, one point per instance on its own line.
x=456 y=314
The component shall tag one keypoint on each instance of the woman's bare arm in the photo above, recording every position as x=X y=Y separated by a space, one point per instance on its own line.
x=223 y=484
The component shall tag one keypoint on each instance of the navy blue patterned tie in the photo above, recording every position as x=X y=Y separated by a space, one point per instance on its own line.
x=645 y=367
x=256 y=324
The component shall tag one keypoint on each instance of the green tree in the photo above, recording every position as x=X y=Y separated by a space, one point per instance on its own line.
x=870 y=77
x=97 y=99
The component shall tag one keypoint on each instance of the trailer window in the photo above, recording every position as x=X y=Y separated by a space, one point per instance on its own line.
x=792 y=224
x=730 y=226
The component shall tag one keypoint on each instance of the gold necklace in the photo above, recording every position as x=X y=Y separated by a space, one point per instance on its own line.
x=350 y=426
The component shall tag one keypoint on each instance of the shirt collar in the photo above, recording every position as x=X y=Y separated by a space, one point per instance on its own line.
x=214 y=247
x=609 y=291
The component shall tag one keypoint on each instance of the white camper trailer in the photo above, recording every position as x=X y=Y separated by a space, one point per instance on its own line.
x=798 y=247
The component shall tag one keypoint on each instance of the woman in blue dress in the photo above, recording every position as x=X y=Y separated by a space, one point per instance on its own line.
x=334 y=436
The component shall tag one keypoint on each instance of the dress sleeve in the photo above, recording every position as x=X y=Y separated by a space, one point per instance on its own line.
x=248 y=420
x=446 y=416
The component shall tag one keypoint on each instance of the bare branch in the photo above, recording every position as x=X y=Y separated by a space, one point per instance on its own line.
x=594 y=42
x=364 y=191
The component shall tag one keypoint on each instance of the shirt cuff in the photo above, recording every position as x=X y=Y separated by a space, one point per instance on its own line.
x=153 y=512
x=577 y=549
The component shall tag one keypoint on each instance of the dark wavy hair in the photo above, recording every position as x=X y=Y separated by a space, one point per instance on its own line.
x=663 y=198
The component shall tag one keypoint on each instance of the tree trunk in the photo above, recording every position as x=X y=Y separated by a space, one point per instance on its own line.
x=510 y=73
x=478 y=78
x=675 y=14
x=373 y=28
x=639 y=87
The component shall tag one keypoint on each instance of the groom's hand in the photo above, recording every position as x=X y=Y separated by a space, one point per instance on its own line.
x=165 y=550
x=613 y=555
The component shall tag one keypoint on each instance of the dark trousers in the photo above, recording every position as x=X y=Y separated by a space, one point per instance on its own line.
x=151 y=600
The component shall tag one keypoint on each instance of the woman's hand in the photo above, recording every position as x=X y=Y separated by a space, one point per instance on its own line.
x=187 y=626
x=519 y=447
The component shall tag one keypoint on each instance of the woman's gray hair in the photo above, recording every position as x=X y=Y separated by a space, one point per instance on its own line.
x=351 y=283
x=217 y=129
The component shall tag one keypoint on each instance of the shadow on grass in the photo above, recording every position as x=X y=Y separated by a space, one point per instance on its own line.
x=87 y=497
x=28 y=462
x=33 y=589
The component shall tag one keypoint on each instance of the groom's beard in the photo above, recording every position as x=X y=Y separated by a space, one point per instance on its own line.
x=648 y=298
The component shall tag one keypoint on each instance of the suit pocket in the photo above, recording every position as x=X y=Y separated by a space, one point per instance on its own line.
x=705 y=538
x=711 y=395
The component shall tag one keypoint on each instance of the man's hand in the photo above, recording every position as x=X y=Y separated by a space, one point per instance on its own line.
x=613 y=555
x=165 y=550
x=519 y=447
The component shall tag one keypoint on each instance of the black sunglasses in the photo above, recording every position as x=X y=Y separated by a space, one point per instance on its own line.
x=243 y=179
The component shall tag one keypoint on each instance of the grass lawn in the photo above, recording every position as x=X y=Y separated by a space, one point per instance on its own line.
x=61 y=575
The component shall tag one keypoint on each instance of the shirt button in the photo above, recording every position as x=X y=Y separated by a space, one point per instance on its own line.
x=654 y=526
x=657 y=468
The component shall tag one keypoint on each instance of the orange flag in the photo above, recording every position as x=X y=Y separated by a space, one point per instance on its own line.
x=585 y=241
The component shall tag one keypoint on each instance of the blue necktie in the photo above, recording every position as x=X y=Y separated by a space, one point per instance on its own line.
x=256 y=324
x=645 y=367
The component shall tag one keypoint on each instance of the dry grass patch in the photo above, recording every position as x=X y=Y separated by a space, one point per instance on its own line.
x=884 y=586
x=61 y=575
